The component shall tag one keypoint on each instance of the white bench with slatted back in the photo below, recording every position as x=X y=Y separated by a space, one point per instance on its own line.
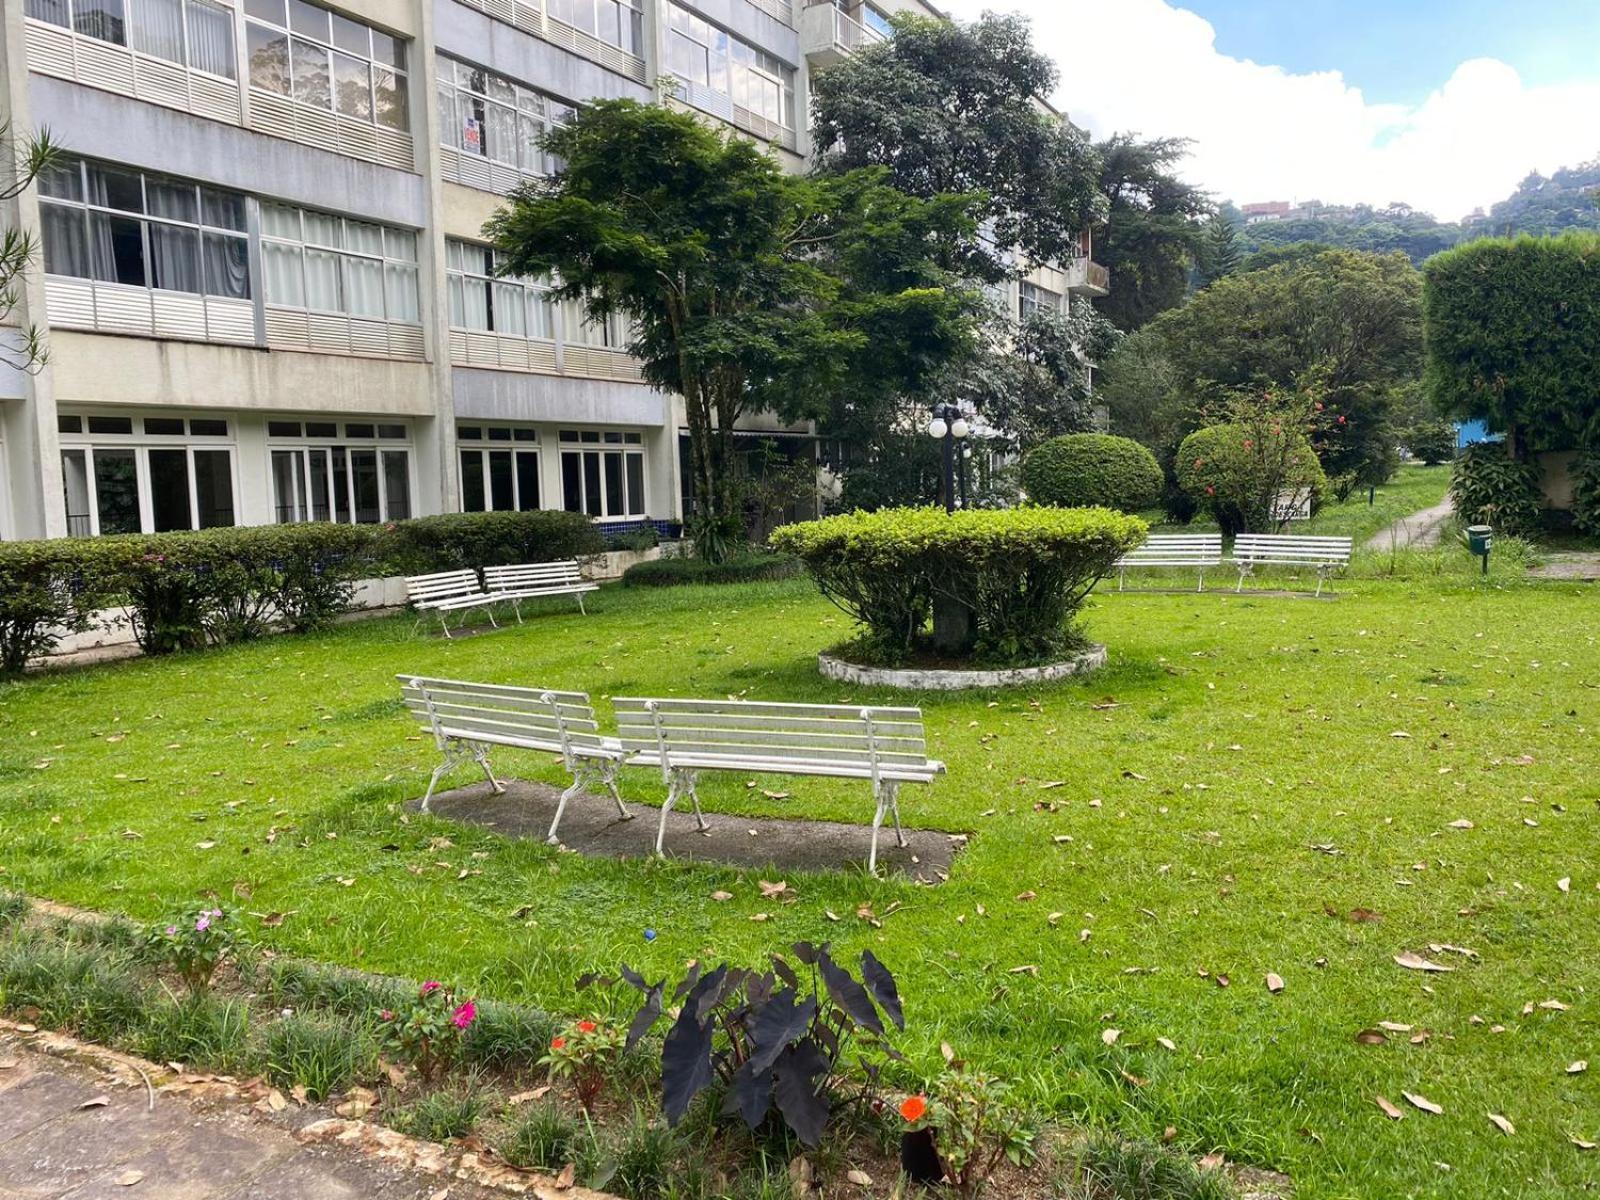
x=1199 y=550
x=684 y=737
x=531 y=580
x=1323 y=554
x=467 y=718
x=445 y=592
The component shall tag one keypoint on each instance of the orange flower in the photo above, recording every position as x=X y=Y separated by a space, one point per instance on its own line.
x=914 y=1108
x=587 y=1027
x=557 y=1042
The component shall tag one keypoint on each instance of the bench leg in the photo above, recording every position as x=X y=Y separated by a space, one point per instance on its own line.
x=444 y=622
x=1243 y=571
x=887 y=803
x=1122 y=578
x=581 y=609
x=452 y=756
x=482 y=757
x=517 y=606
x=694 y=798
x=1202 y=586
x=586 y=773
x=608 y=776
x=489 y=608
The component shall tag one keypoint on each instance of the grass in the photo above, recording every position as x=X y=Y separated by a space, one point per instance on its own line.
x=1230 y=778
x=442 y=1115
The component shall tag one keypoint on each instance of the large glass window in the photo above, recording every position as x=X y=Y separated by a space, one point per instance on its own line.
x=499 y=468
x=125 y=226
x=328 y=61
x=196 y=33
x=617 y=23
x=602 y=472
x=1032 y=300
x=481 y=300
x=145 y=475
x=487 y=115
x=325 y=263
x=701 y=53
x=322 y=471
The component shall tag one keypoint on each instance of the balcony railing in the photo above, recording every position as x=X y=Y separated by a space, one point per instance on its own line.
x=1099 y=277
x=829 y=34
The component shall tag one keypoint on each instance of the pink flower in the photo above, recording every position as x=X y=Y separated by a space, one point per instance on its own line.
x=431 y=986
x=203 y=924
x=465 y=1015
x=386 y=1014
x=172 y=931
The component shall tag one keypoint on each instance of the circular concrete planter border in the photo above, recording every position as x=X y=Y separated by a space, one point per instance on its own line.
x=914 y=679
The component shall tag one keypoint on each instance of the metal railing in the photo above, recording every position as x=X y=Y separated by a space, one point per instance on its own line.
x=849 y=34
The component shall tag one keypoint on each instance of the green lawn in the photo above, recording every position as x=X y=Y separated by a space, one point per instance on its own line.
x=1232 y=776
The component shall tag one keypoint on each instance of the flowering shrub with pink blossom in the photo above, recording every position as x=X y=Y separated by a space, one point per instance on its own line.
x=194 y=942
x=428 y=1032
x=584 y=1052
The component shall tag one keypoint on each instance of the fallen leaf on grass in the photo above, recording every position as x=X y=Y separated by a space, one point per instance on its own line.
x=1418 y=1100
x=128 y=1178
x=1553 y=1005
x=1024 y=897
x=1463 y=823
x=1275 y=983
x=1394 y=1027
x=565 y=1179
x=1371 y=1037
x=1502 y=1124
x=1415 y=962
x=1389 y=1109
x=537 y=1093
x=719 y=897
x=1110 y=1036
x=770 y=890
x=1026 y=969
x=1577 y=1068
x=1564 y=884
x=858 y=1177
x=1582 y=1144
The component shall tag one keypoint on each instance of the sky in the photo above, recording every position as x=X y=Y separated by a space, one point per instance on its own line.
x=1441 y=104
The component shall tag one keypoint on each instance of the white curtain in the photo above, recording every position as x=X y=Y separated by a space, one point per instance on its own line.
x=510 y=317
x=285 y=276
x=156 y=27
x=227 y=264
x=210 y=38
x=322 y=281
x=474 y=303
x=402 y=292
x=66 y=241
x=174 y=258
x=364 y=286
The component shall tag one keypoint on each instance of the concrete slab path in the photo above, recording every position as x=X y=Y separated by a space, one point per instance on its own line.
x=1417 y=532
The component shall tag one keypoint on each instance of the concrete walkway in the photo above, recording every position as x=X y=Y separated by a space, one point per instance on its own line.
x=1419 y=531
x=72 y=1128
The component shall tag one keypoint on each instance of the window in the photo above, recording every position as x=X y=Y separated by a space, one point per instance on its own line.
x=324 y=60
x=119 y=225
x=325 y=263
x=878 y=22
x=351 y=480
x=484 y=114
x=481 y=300
x=1032 y=300
x=116 y=481
x=196 y=33
x=503 y=478
x=700 y=53
x=602 y=473
x=617 y=23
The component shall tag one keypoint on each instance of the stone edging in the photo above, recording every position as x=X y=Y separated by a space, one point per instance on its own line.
x=914 y=679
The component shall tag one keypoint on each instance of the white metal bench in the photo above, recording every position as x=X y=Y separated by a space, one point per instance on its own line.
x=531 y=580
x=467 y=718
x=1200 y=550
x=1325 y=554
x=445 y=592
x=685 y=737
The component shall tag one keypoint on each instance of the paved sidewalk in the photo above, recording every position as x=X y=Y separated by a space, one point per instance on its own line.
x=77 y=1130
x=1417 y=532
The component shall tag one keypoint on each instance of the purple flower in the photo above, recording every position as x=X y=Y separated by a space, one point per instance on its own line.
x=172 y=931
x=203 y=924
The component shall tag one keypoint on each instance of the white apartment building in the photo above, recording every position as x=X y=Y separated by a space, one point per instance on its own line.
x=263 y=279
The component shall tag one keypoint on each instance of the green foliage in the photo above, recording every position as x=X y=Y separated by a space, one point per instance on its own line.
x=953 y=110
x=1431 y=441
x=1153 y=230
x=1586 y=492
x=1108 y=1168
x=197 y=1030
x=1092 y=470
x=635 y=540
x=1237 y=472
x=585 y=1052
x=544 y=1138
x=1221 y=252
x=428 y=1028
x=1512 y=331
x=975 y=1126
x=1024 y=573
x=47 y=588
x=488 y=539
x=673 y=572
x=749 y=288
x=323 y=1056
x=14 y=907
x=1397 y=229
x=1544 y=205
x=193 y=942
x=78 y=989
x=442 y=1115
x=1489 y=487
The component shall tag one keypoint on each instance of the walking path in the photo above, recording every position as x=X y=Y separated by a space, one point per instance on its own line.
x=1417 y=532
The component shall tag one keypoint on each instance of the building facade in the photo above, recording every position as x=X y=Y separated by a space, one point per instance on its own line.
x=265 y=288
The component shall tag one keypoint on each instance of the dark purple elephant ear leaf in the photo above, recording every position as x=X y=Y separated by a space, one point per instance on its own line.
x=685 y=1063
x=799 y=1073
x=849 y=995
x=882 y=986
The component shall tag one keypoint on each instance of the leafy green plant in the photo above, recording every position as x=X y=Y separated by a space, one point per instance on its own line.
x=543 y=1138
x=47 y=589
x=199 y=1031
x=1431 y=441
x=584 y=1053
x=1489 y=487
x=1110 y=1168
x=672 y=572
x=642 y=1159
x=194 y=941
x=1092 y=470
x=506 y=1035
x=635 y=540
x=322 y=1056
x=489 y=539
x=1243 y=472
x=444 y=1114
x=1023 y=573
x=69 y=987
x=972 y=1123
x=1586 y=492
x=429 y=1029
x=13 y=908
x=773 y=1042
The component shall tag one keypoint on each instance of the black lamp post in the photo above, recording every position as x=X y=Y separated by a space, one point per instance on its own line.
x=949 y=426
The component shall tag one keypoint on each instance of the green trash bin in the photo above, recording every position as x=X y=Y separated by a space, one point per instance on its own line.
x=1480 y=539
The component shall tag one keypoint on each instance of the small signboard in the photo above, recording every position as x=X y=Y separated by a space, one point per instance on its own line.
x=1292 y=506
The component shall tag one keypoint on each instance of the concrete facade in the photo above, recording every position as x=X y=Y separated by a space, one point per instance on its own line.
x=263 y=280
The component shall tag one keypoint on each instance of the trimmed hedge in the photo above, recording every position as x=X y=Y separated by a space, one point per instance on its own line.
x=1092 y=470
x=675 y=572
x=1586 y=493
x=1489 y=487
x=187 y=590
x=1236 y=477
x=1024 y=573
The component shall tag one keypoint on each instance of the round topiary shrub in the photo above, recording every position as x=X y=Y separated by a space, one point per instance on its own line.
x=1022 y=573
x=1489 y=487
x=1242 y=479
x=1432 y=442
x=1092 y=470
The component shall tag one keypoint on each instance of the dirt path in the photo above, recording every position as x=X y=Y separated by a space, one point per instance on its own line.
x=1418 y=531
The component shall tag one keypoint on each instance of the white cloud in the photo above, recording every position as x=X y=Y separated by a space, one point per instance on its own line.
x=1264 y=133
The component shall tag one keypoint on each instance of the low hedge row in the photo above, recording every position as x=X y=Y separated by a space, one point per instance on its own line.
x=674 y=572
x=185 y=590
x=1023 y=573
